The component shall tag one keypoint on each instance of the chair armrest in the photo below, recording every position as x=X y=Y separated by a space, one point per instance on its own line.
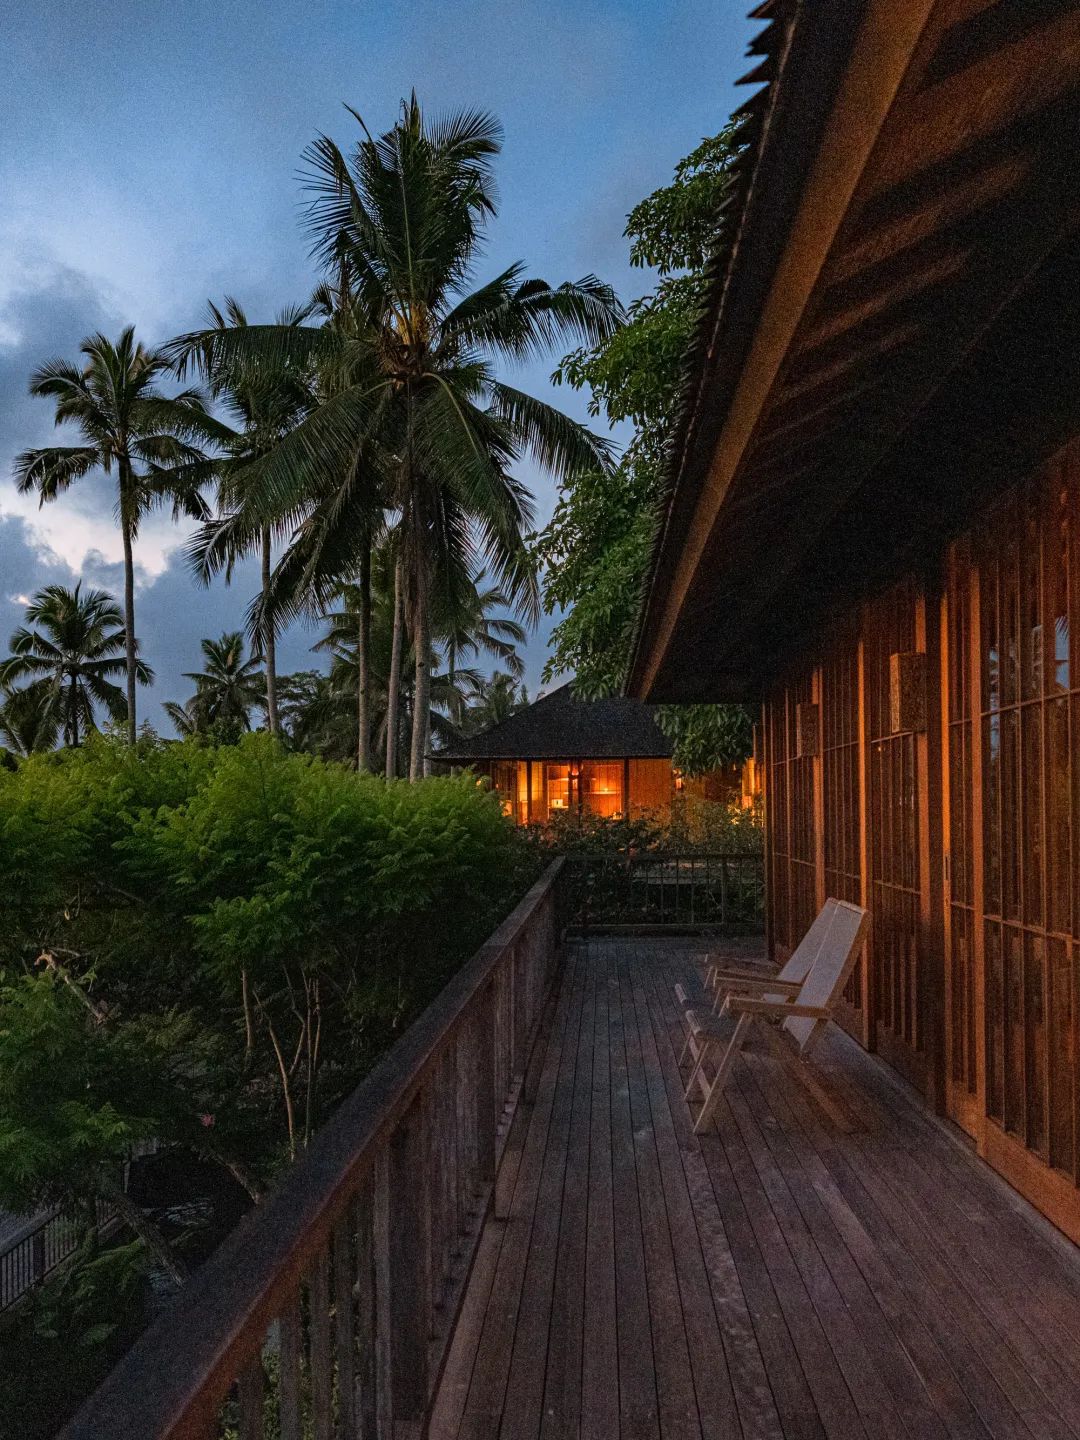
x=772 y=987
x=752 y=1005
x=738 y=977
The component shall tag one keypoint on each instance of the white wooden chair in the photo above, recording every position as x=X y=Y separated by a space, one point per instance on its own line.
x=751 y=982
x=803 y=1010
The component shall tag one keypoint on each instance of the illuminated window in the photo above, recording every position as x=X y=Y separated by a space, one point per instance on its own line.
x=557 y=788
x=601 y=787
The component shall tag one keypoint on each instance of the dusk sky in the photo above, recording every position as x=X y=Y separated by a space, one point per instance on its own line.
x=150 y=162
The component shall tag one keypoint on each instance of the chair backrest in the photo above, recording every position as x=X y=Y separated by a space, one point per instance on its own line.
x=806 y=952
x=836 y=956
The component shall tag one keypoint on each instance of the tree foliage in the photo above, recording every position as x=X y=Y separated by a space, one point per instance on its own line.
x=596 y=549
x=212 y=913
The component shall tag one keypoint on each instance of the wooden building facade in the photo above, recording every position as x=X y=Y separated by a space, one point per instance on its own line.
x=873 y=530
x=924 y=760
x=564 y=755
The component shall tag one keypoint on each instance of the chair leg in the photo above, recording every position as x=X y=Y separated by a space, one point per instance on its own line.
x=699 y=1059
x=686 y=1048
x=723 y=1070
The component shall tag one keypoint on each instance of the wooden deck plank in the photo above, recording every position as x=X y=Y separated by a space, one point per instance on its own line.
x=676 y=1396
x=973 y=1350
x=523 y=1404
x=561 y=1414
x=1022 y=1364
x=735 y=1398
x=600 y=1361
x=905 y=1319
x=719 y=1207
x=487 y=1387
x=829 y=1263
x=638 y=1400
x=884 y=1351
x=973 y=1211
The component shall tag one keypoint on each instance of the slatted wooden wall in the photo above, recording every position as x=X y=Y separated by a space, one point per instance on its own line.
x=793 y=853
x=1004 y=822
x=893 y=817
x=841 y=806
x=1029 y=595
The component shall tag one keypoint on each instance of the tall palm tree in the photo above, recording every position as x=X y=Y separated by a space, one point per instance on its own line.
x=227 y=689
x=263 y=406
x=128 y=426
x=69 y=661
x=419 y=401
x=469 y=624
x=496 y=698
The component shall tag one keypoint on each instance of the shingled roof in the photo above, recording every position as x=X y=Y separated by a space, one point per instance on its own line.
x=560 y=726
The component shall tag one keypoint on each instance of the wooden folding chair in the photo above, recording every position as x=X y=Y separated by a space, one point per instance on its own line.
x=803 y=1011
x=750 y=982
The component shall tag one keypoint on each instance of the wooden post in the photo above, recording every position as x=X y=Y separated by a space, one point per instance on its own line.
x=978 y=877
x=766 y=806
x=869 y=993
x=818 y=763
x=485 y=1087
x=931 y=981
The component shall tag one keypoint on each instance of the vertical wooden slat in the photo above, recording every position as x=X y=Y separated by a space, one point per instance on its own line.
x=485 y=1086
x=251 y=1388
x=381 y=1244
x=978 y=878
x=289 y=1371
x=931 y=841
x=344 y=1323
x=818 y=764
x=410 y=1316
x=321 y=1353
x=865 y=896
x=366 y=1417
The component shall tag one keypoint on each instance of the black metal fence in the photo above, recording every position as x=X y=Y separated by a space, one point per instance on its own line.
x=34 y=1251
x=656 y=890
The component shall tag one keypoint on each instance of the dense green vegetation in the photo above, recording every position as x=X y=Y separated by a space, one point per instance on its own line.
x=208 y=947
x=595 y=552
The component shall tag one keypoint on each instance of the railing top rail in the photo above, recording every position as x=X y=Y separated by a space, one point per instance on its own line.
x=643 y=855
x=163 y=1390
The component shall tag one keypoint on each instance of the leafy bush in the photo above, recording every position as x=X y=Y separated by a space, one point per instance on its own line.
x=212 y=946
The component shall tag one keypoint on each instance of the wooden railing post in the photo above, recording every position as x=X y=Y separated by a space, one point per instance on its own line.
x=485 y=1087
x=410 y=1284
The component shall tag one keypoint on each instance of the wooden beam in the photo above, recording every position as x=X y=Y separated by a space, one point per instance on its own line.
x=883 y=51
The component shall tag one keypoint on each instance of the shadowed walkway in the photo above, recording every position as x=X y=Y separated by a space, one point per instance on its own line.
x=831 y=1262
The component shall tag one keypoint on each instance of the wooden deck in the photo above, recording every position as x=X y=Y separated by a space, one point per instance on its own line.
x=832 y=1262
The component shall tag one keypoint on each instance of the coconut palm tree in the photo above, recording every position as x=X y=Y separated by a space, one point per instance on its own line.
x=66 y=665
x=29 y=723
x=262 y=406
x=420 y=410
x=130 y=428
x=227 y=690
x=496 y=698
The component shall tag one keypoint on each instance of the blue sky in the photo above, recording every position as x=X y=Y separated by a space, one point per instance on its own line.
x=150 y=162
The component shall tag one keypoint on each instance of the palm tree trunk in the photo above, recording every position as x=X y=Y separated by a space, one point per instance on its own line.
x=269 y=639
x=393 y=689
x=73 y=712
x=363 y=665
x=129 y=627
x=422 y=685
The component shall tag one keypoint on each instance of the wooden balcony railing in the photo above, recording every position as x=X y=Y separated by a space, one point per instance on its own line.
x=657 y=890
x=327 y=1312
